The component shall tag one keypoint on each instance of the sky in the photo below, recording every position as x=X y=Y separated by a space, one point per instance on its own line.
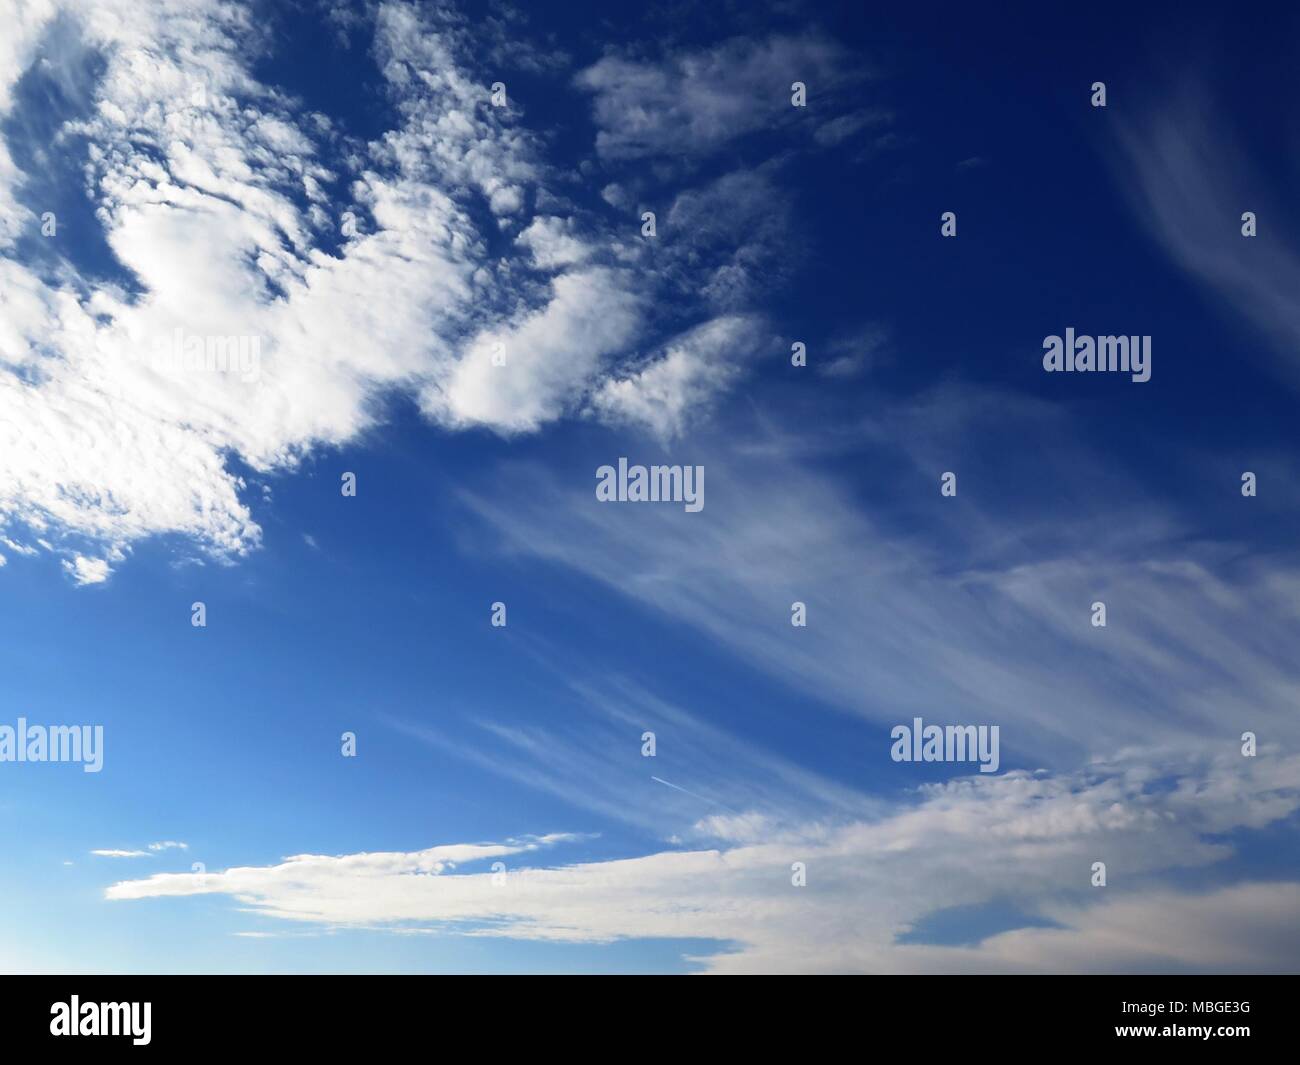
x=384 y=684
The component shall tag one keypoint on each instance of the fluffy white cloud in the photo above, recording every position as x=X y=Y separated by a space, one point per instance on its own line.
x=530 y=370
x=87 y=570
x=101 y=442
x=552 y=243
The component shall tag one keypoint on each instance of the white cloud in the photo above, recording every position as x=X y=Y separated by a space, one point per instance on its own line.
x=844 y=127
x=1028 y=838
x=974 y=622
x=97 y=443
x=616 y=195
x=851 y=354
x=1189 y=181
x=101 y=447
x=17 y=548
x=87 y=570
x=547 y=356
x=169 y=844
x=582 y=761
x=731 y=239
x=121 y=854
x=552 y=243
x=692 y=371
x=735 y=828
x=24 y=25
x=695 y=101
x=1248 y=928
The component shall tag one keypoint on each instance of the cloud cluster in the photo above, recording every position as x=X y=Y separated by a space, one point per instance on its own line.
x=228 y=216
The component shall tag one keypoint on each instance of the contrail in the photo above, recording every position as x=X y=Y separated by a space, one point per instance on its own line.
x=694 y=796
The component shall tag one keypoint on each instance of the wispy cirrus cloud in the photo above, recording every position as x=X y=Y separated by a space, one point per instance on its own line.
x=986 y=619
x=1190 y=179
x=153 y=848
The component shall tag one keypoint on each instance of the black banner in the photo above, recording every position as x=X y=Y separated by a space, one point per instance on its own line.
x=1227 y=1017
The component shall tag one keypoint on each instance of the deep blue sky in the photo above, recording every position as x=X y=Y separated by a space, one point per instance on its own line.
x=371 y=614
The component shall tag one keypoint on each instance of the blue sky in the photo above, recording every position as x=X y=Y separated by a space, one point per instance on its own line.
x=335 y=181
